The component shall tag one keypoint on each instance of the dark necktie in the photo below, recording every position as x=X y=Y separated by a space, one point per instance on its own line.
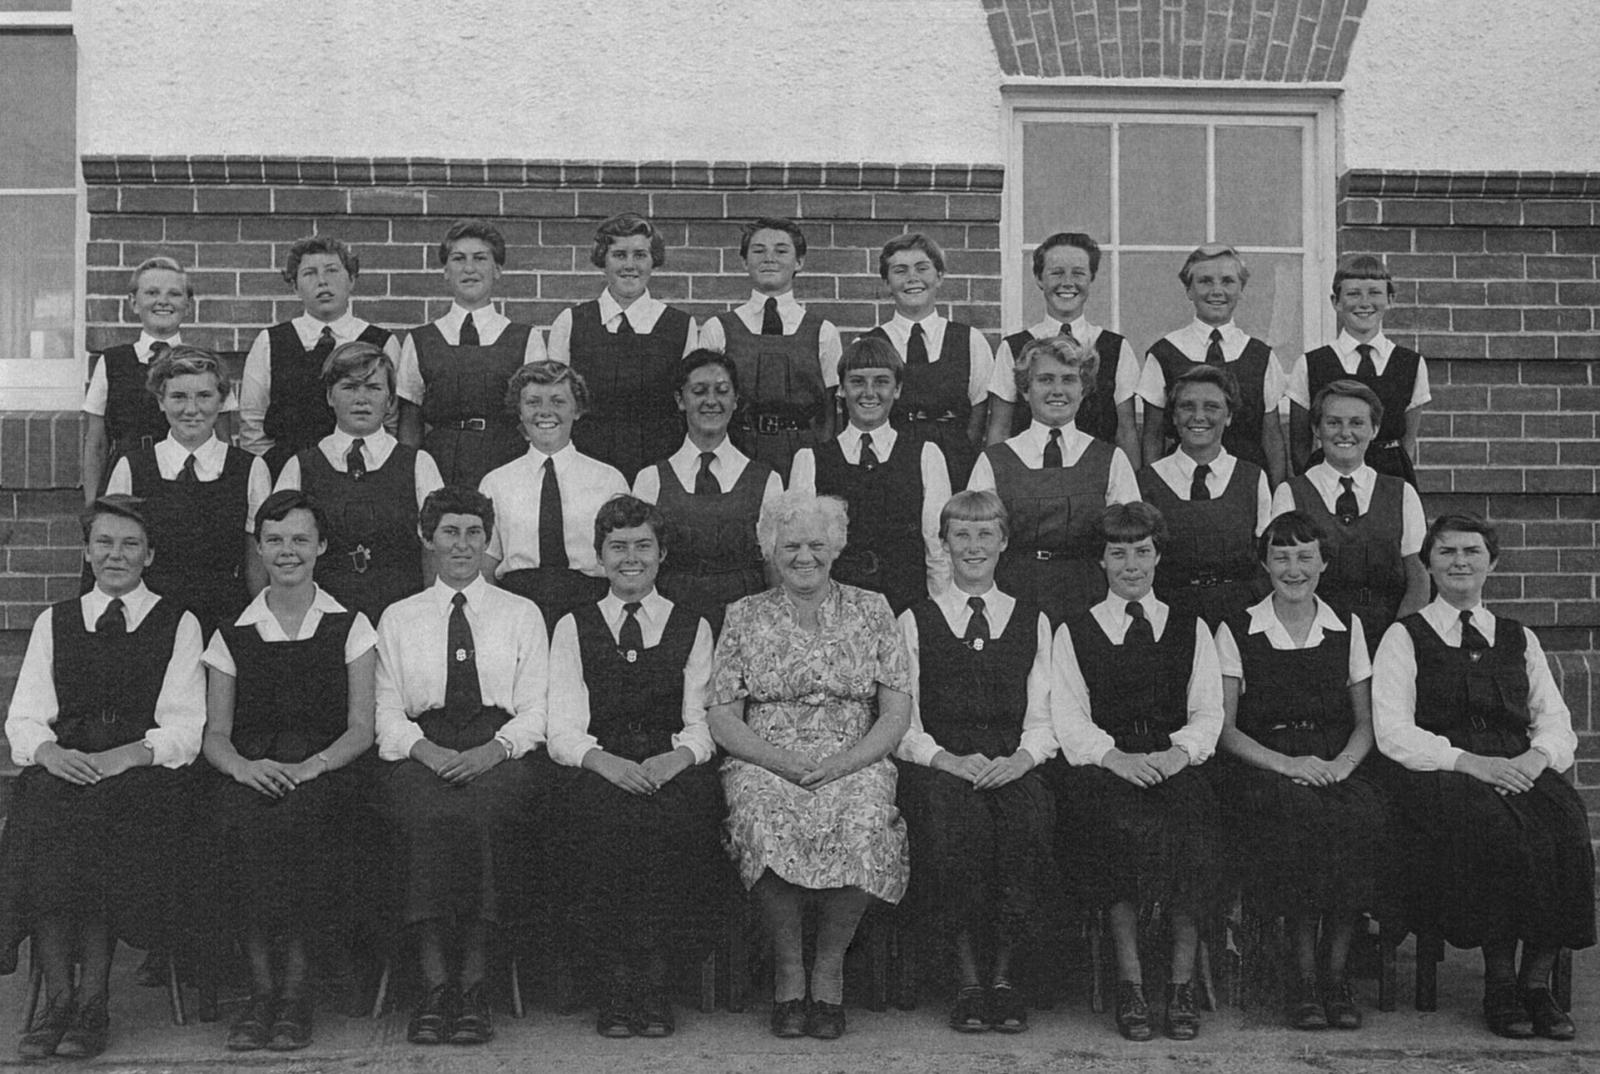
x=869 y=458
x=462 y=694
x=1052 y=451
x=1197 y=487
x=771 y=323
x=187 y=475
x=977 y=626
x=705 y=482
x=1214 y=351
x=917 y=347
x=630 y=639
x=1066 y=332
x=1472 y=641
x=355 y=463
x=1367 y=369
x=112 y=621
x=1140 y=632
x=552 y=529
x=324 y=347
x=624 y=326
x=469 y=332
x=1346 y=506
x=157 y=349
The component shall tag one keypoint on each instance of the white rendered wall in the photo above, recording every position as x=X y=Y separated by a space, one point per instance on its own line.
x=819 y=80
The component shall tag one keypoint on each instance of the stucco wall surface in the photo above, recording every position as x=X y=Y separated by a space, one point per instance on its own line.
x=1475 y=85
x=705 y=79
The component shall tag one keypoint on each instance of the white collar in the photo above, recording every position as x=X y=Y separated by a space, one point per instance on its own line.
x=257 y=612
x=443 y=594
x=1263 y=616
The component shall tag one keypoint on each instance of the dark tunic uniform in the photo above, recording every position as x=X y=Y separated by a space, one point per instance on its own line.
x=1482 y=865
x=1243 y=435
x=1209 y=566
x=374 y=556
x=885 y=552
x=1366 y=573
x=133 y=417
x=1097 y=414
x=714 y=558
x=632 y=419
x=470 y=431
x=785 y=401
x=934 y=404
x=298 y=414
x=1394 y=387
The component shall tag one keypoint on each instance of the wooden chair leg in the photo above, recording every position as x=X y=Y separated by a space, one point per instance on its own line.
x=1561 y=979
x=1208 y=991
x=35 y=986
x=175 y=991
x=905 y=965
x=1430 y=952
x=1095 y=928
x=381 y=993
x=708 y=982
x=1388 y=974
x=517 y=1009
x=738 y=961
x=877 y=939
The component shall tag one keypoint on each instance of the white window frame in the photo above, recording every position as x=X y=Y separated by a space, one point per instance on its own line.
x=26 y=384
x=1314 y=108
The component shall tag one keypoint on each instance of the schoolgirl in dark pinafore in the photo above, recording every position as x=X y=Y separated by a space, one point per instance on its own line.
x=1097 y=413
x=715 y=559
x=119 y=849
x=783 y=400
x=1054 y=552
x=934 y=405
x=1242 y=438
x=133 y=417
x=298 y=414
x=1209 y=567
x=885 y=551
x=1386 y=454
x=1480 y=865
x=470 y=432
x=374 y=556
x=631 y=420
x=647 y=875
x=1366 y=573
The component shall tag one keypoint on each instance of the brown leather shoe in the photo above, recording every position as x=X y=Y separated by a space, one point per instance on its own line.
x=1549 y=1020
x=85 y=1038
x=434 y=1018
x=825 y=1021
x=253 y=1028
x=291 y=1024
x=49 y=1025
x=1183 y=1017
x=474 y=1024
x=1133 y=1012
x=789 y=1019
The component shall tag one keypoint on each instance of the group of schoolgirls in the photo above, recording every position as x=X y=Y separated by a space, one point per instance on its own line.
x=1132 y=689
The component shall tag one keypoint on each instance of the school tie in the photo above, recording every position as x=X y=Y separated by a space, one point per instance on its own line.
x=917 y=347
x=705 y=482
x=624 y=326
x=1066 y=333
x=187 y=476
x=462 y=693
x=1346 y=506
x=1214 y=352
x=1367 y=369
x=630 y=639
x=1197 y=487
x=1140 y=632
x=977 y=626
x=157 y=349
x=552 y=529
x=355 y=463
x=1052 y=451
x=869 y=458
x=469 y=332
x=112 y=621
x=1472 y=641
x=771 y=323
x=324 y=347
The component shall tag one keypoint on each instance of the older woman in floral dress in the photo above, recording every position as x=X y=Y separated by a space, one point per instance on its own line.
x=810 y=693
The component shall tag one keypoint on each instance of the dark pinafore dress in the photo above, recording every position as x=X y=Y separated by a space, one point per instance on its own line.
x=298 y=414
x=632 y=419
x=934 y=405
x=374 y=557
x=121 y=848
x=1366 y=574
x=1301 y=848
x=1054 y=553
x=784 y=404
x=1209 y=565
x=981 y=859
x=291 y=862
x=645 y=873
x=885 y=551
x=1097 y=413
x=1242 y=438
x=1481 y=865
x=715 y=559
x=133 y=418
x=1124 y=843
x=198 y=530
x=1385 y=454
x=470 y=430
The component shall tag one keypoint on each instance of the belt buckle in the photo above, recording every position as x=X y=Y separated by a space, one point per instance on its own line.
x=767 y=424
x=147 y=441
x=477 y=425
x=1044 y=555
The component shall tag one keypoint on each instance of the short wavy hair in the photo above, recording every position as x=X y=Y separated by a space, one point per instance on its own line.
x=622 y=226
x=1211 y=251
x=975 y=505
x=454 y=500
x=699 y=358
x=546 y=372
x=624 y=512
x=357 y=358
x=120 y=505
x=482 y=230
x=911 y=240
x=1347 y=388
x=1289 y=529
x=772 y=223
x=1129 y=523
x=186 y=361
x=280 y=504
x=320 y=244
x=786 y=507
x=1074 y=355
x=1217 y=375
x=150 y=264
x=1461 y=522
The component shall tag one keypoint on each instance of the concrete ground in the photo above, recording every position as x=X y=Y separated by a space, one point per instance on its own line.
x=1067 y=1038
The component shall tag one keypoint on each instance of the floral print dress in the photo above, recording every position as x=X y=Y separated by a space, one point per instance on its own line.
x=815 y=693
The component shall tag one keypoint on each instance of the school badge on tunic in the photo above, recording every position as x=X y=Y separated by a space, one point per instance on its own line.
x=632 y=655
x=977 y=645
x=461 y=656
x=360 y=558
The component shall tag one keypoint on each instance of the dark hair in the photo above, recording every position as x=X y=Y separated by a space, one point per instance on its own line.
x=1129 y=523
x=975 y=505
x=1289 y=529
x=1219 y=376
x=319 y=244
x=699 y=358
x=1211 y=251
x=1363 y=267
x=1085 y=359
x=185 y=361
x=278 y=506
x=473 y=229
x=622 y=226
x=1461 y=522
x=358 y=357
x=546 y=372
x=115 y=503
x=1347 y=389
x=872 y=352
x=623 y=512
x=772 y=223
x=911 y=240
x=1067 y=238
x=454 y=500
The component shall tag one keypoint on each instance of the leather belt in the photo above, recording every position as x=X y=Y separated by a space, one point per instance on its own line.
x=771 y=424
x=475 y=424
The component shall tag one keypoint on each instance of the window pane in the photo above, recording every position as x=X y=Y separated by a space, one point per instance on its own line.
x=35 y=5
x=1163 y=184
x=37 y=262
x=1258 y=186
x=1153 y=301
x=1064 y=179
x=38 y=142
x=1098 y=308
x=1271 y=306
